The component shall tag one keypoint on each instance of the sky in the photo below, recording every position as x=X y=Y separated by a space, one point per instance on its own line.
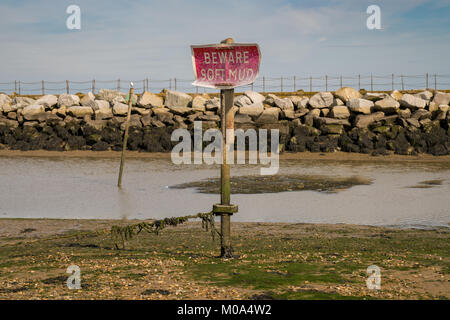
x=151 y=39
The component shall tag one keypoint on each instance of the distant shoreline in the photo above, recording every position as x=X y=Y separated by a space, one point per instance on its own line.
x=332 y=156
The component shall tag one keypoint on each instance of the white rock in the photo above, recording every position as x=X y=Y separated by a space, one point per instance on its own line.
x=397 y=95
x=269 y=115
x=412 y=102
x=4 y=100
x=441 y=98
x=198 y=104
x=340 y=112
x=303 y=103
x=120 y=109
x=375 y=96
x=360 y=105
x=102 y=105
x=213 y=104
x=110 y=95
x=79 y=112
x=295 y=100
x=242 y=100
x=425 y=95
x=68 y=100
x=48 y=101
x=177 y=99
x=284 y=104
x=321 y=100
x=32 y=112
x=88 y=100
x=253 y=110
x=387 y=105
x=347 y=93
x=254 y=96
x=148 y=99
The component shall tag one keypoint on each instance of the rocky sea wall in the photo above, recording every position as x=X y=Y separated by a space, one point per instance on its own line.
x=345 y=120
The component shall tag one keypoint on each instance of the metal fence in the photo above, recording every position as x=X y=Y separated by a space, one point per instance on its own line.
x=369 y=82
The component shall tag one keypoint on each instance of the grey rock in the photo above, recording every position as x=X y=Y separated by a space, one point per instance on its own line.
x=321 y=100
x=347 y=93
x=360 y=106
x=120 y=109
x=387 y=105
x=363 y=121
x=68 y=100
x=253 y=110
x=177 y=99
x=340 y=112
x=254 y=96
x=412 y=102
x=80 y=112
x=148 y=100
x=110 y=95
x=242 y=101
x=198 y=104
x=48 y=101
x=284 y=104
x=441 y=98
x=32 y=112
x=269 y=115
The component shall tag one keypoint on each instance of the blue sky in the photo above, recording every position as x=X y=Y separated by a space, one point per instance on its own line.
x=139 y=39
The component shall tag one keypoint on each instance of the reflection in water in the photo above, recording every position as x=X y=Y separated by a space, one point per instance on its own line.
x=125 y=203
x=87 y=188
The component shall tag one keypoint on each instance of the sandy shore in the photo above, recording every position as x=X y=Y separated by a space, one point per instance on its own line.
x=335 y=156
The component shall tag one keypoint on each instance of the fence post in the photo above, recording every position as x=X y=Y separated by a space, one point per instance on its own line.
x=93 y=86
x=295 y=87
x=392 y=82
x=281 y=82
x=341 y=80
x=43 y=88
x=310 y=84
x=426 y=81
x=146 y=80
x=175 y=82
x=15 y=86
x=19 y=88
x=170 y=84
x=403 y=84
x=435 y=82
x=67 y=86
x=264 y=84
x=143 y=86
x=118 y=84
x=371 y=82
x=326 y=82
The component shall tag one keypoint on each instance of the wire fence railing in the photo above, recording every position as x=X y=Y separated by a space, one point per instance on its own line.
x=370 y=82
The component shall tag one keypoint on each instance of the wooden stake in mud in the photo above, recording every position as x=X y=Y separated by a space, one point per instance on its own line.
x=125 y=138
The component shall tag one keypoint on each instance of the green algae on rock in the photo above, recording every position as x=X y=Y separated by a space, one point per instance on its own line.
x=254 y=184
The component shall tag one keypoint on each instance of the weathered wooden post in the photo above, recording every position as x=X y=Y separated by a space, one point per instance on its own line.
x=212 y=69
x=125 y=138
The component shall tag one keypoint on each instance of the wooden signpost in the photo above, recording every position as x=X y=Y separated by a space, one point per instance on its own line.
x=225 y=66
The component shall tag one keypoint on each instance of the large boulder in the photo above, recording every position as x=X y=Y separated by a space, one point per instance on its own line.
x=80 y=111
x=88 y=100
x=254 y=96
x=387 y=105
x=182 y=111
x=412 y=102
x=23 y=101
x=360 y=105
x=339 y=112
x=321 y=100
x=397 y=95
x=212 y=104
x=347 y=93
x=32 y=112
x=148 y=100
x=68 y=100
x=425 y=95
x=177 y=99
x=242 y=100
x=374 y=96
x=48 y=101
x=253 y=110
x=120 y=109
x=284 y=104
x=4 y=100
x=269 y=115
x=198 y=104
x=441 y=98
x=363 y=121
x=111 y=96
x=163 y=115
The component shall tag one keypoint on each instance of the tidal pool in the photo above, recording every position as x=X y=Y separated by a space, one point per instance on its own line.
x=71 y=187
